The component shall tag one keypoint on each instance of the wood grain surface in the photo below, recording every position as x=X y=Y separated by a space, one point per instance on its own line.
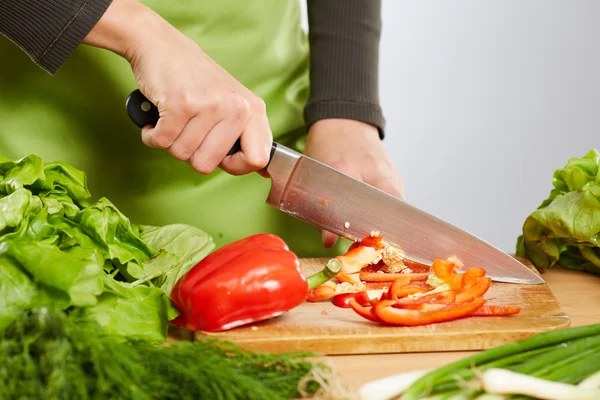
x=326 y=329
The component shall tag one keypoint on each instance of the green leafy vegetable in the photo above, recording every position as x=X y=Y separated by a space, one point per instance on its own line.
x=45 y=355
x=60 y=249
x=565 y=228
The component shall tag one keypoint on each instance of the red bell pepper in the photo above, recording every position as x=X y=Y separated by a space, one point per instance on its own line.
x=249 y=280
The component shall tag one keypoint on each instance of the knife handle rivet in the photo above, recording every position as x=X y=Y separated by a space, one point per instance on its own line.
x=145 y=106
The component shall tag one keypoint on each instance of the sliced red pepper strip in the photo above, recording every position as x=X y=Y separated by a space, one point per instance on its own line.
x=445 y=297
x=376 y=300
x=386 y=277
x=322 y=292
x=446 y=271
x=397 y=285
x=471 y=275
x=491 y=311
x=364 y=312
x=399 y=292
x=443 y=268
x=350 y=278
x=416 y=267
x=427 y=314
x=475 y=291
x=343 y=300
x=375 y=242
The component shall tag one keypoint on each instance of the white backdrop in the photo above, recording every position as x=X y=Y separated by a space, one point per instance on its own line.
x=484 y=100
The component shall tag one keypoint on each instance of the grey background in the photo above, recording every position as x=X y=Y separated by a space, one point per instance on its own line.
x=484 y=100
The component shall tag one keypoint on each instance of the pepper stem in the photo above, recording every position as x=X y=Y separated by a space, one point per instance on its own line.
x=332 y=267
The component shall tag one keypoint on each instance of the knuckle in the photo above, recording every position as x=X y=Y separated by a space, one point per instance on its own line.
x=162 y=140
x=188 y=105
x=180 y=153
x=259 y=105
x=239 y=108
x=258 y=162
x=214 y=107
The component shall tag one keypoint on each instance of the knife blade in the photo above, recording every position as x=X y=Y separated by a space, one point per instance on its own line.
x=336 y=202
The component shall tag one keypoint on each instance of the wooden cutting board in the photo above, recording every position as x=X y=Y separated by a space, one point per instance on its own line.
x=326 y=329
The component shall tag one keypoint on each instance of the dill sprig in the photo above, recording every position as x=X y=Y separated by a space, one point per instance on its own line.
x=44 y=354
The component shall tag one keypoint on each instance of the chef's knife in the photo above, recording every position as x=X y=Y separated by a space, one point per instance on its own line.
x=331 y=200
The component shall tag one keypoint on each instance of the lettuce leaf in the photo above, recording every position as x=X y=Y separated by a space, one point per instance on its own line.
x=565 y=228
x=181 y=247
x=134 y=312
x=58 y=248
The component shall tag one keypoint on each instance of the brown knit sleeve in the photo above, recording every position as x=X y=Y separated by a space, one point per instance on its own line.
x=344 y=61
x=49 y=30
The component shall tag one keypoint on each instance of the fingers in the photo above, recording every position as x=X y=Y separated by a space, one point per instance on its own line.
x=169 y=127
x=329 y=239
x=391 y=185
x=192 y=136
x=256 y=141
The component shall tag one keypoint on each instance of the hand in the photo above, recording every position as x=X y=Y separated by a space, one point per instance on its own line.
x=203 y=109
x=354 y=148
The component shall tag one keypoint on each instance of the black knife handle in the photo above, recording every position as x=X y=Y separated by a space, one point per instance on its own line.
x=142 y=112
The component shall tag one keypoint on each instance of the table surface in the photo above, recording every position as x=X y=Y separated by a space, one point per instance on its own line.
x=577 y=292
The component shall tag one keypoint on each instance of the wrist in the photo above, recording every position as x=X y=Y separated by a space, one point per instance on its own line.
x=343 y=125
x=125 y=26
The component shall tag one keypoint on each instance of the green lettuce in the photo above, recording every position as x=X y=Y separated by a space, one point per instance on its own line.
x=565 y=228
x=58 y=248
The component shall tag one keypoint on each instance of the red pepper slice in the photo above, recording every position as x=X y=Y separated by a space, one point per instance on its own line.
x=447 y=297
x=375 y=242
x=343 y=300
x=322 y=292
x=367 y=276
x=477 y=290
x=446 y=271
x=491 y=311
x=416 y=267
x=426 y=314
x=364 y=312
x=399 y=291
x=471 y=275
x=350 y=278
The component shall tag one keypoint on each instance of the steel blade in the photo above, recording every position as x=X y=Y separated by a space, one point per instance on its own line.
x=331 y=200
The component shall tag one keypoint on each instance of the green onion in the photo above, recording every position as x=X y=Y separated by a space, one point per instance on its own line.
x=424 y=386
x=331 y=269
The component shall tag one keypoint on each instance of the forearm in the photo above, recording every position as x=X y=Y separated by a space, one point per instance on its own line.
x=49 y=30
x=344 y=40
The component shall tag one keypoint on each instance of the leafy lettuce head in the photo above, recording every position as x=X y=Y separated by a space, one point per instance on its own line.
x=565 y=228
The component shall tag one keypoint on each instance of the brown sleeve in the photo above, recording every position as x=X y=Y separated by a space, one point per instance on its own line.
x=49 y=30
x=344 y=61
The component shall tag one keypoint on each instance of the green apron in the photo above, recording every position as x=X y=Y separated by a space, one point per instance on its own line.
x=78 y=116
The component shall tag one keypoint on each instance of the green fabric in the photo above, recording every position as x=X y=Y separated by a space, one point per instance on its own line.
x=78 y=116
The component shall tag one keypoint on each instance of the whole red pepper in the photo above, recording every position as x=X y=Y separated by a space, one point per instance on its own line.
x=249 y=280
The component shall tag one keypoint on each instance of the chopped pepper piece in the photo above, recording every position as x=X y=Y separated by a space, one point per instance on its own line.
x=343 y=300
x=494 y=311
x=425 y=314
x=477 y=290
